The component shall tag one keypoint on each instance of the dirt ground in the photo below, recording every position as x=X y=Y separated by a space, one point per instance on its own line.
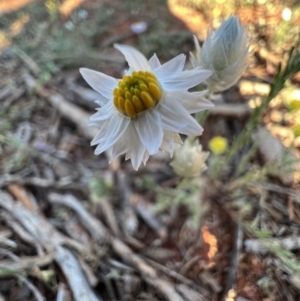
x=73 y=227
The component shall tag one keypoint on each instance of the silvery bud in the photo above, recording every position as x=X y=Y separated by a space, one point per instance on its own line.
x=189 y=159
x=224 y=52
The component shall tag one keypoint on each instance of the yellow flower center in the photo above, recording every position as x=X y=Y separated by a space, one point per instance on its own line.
x=137 y=93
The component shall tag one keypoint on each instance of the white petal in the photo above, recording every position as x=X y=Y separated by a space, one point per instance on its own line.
x=103 y=113
x=171 y=67
x=149 y=128
x=197 y=46
x=177 y=138
x=146 y=157
x=101 y=133
x=186 y=79
x=196 y=59
x=115 y=128
x=128 y=155
x=154 y=62
x=119 y=148
x=100 y=82
x=175 y=118
x=168 y=142
x=135 y=59
x=193 y=102
x=137 y=152
x=101 y=100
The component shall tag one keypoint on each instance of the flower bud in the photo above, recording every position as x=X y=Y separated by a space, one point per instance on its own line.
x=224 y=52
x=189 y=159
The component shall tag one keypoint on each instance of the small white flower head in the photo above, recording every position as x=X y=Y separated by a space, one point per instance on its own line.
x=225 y=52
x=189 y=159
x=144 y=111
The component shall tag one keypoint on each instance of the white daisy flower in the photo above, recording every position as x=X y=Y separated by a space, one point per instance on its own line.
x=144 y=111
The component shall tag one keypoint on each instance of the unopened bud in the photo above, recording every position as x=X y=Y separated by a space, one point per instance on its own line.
x=189 y=159
x=225 y=52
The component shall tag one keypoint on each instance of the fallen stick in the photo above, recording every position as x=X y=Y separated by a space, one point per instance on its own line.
x=179 y=278
x=51 y=240
x=41 y=230
x=79 y=286
x=21 y=232
x=231 y=110
x=17 y=266
x=235 y=257
x=129 y=219
x=62 y=293
x=149 y=274
x=258 y=246
x=92 y=225
x=38 y=296
x=64 y=183
x=65 y=108
x=22 y=264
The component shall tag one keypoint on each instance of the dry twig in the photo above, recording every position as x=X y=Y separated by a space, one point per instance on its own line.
x=51 y=240
x=121 y=249
x=66 y=109
x=79 y=286
x=262 y=247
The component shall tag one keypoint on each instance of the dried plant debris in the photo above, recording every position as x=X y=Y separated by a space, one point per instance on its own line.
x=73 y=227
